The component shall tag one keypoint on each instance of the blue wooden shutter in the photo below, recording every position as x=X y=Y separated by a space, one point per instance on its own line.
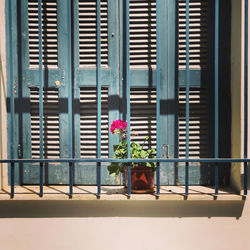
x=143 y=80
x=85 y=110
x=200 y=43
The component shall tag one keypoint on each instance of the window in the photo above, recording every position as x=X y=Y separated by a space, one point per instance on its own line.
x=83 y=56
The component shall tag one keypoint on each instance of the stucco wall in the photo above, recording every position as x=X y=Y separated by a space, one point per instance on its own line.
x=237 y=92
x=122 y=233
x=3 y=91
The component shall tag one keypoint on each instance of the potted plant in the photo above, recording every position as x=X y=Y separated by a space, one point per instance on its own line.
x=142 y=173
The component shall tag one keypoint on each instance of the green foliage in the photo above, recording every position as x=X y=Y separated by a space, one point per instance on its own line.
x=136 y=152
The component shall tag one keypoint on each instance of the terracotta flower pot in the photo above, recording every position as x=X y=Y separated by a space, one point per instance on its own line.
x=142 y=180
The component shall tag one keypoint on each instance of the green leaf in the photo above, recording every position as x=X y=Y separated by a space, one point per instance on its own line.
x=143 y=154
x=114 y=168
x=115 y=147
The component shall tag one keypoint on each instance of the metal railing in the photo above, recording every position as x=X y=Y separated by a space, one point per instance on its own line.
x=216 y=161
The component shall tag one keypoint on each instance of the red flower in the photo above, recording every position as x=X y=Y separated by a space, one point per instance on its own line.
x=118 y=124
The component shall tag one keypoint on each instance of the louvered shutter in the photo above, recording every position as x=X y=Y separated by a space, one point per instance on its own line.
x=142 y=34
x=143 y=116
x=55 y=113
x=88 y=35
x=198 y=125
x=198 y=29
x=53 y=59
x=85 y=84
x=51 y=138
x=198 y=54
x=88 y=122
x=85 y=41
x=200 y=107
x=49 y=33
x=143 y=80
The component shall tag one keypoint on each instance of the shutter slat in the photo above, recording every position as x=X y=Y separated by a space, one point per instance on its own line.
x=198 y=33
x=88 y=122
x=49 y=33
x=198 y=124
x=51 y=137
x=143 y=115
x=143 y=33
x=88 y=35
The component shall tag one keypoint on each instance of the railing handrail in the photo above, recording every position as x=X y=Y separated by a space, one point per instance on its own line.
x=75 y=160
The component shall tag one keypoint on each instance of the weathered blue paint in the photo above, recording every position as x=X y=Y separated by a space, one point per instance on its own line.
x=167 y=93
x=87 y=77
x=76 y=92
x=98 y=83
x=246 y=97
x=158 y=135
x=128 y=92
x=216 y=94
x=29 y=77
x=197 y=78
x=114 y=55
x=62 y=174
x=24 y=134
x=69 y=83
x=40 y=92
x=187 y=96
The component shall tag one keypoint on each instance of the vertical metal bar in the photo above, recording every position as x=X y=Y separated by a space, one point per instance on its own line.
x=40 y=92
x=69 y=58
x=187 y=97
x=216 y=95
x=246 y=97
x=121 y=63
x=98 y=80
x=12 y=170
x=157 y=99
x=128 y=92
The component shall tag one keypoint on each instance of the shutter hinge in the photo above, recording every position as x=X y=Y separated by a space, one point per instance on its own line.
x=165 y=151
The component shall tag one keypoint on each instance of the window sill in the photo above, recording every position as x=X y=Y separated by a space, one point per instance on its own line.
x=114 y=202
x=28 y=192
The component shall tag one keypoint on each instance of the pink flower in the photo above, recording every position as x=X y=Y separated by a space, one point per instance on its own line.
x=118 y=124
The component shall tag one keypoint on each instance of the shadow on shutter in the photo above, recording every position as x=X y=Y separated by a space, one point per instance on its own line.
x=198 y=33
x=49 y=33
x=198 y=124
x=50 y=123
x=88 y=122
x=88 y=34
x=142 y=33
x=198 y=56
x=143 y=115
